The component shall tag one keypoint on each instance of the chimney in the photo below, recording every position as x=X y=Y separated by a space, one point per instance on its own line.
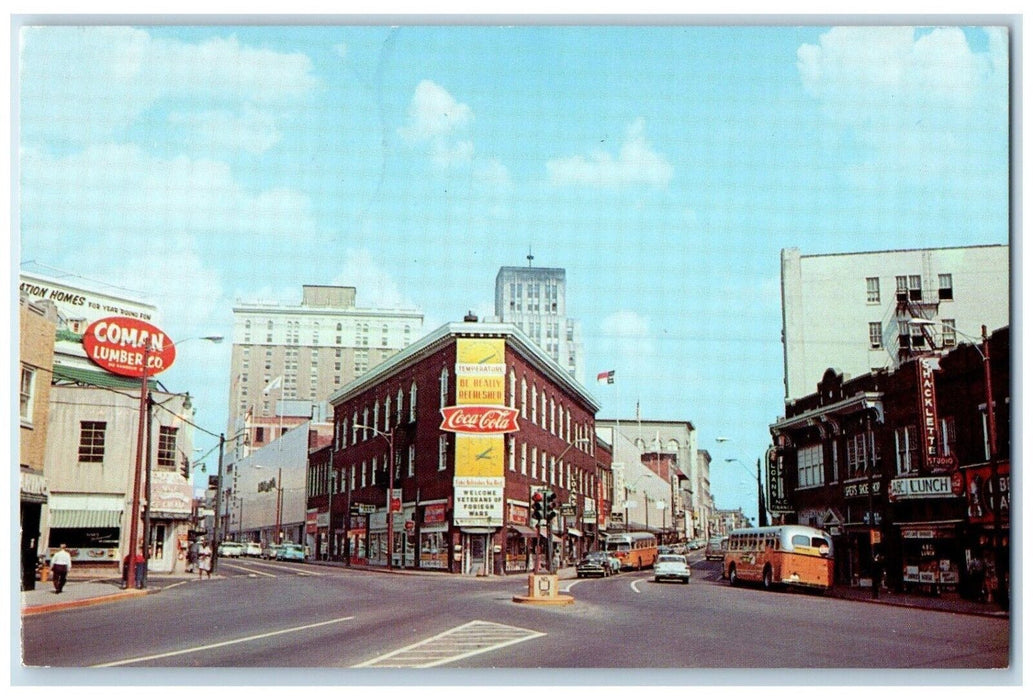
x=470 y=317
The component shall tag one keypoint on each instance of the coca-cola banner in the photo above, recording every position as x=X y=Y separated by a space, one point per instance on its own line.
x=480 y=419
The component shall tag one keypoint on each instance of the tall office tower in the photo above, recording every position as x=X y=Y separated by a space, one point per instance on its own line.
x=535 y=300
x=855 y=311
x=288 y=358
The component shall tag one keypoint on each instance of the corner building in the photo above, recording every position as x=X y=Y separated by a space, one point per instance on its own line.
x=472 y=418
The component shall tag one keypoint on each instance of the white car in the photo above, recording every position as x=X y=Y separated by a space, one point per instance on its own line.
x=671 y=566
x=231 y=549
x=252 y=549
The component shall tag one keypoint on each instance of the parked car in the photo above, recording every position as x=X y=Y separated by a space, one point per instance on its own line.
x=271 y=550
x=291 y=552
x=716 y=548
x=670 y=566
x=596 y=564
x=252 y=549
x=231 y=549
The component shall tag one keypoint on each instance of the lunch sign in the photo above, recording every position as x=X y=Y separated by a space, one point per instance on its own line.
x=124 y=345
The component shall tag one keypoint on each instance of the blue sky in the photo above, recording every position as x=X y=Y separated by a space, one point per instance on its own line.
x=664 y=167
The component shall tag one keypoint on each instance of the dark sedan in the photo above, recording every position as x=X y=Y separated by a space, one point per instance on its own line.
x=595 y=564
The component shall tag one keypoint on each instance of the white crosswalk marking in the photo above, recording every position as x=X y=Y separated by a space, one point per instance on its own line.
x=476 y=637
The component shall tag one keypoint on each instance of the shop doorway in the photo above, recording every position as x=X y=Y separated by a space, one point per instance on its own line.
x=476 y=547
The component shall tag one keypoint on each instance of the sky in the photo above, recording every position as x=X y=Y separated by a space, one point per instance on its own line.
x=664 y=167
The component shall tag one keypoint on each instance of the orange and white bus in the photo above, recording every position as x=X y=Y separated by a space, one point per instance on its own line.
x=783 y=555
x=636 y=550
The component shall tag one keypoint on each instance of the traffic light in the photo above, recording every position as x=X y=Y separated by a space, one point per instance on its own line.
x=550 y=505
x=537 y=510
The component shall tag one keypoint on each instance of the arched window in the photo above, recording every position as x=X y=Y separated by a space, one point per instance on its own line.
x=534 y=404
x=443 y=387
x=512 y=389
x=412 y=403
x=523 y=398
x=399 y=409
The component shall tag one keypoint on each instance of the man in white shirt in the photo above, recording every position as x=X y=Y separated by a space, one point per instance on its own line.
x=60 y=564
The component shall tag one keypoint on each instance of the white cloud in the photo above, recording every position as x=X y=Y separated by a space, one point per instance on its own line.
x=921 y=103
x=434 y=114
x=87 y=84
x=250 y=130
x=118 y=202
x=636 y=163
x=375 y=287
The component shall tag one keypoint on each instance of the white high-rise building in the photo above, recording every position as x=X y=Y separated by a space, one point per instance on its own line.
x=852 y=311
x=288 y=357
x=535 y=300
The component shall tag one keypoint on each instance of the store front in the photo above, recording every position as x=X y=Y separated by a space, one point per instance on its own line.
x=931 y=556
x=518 y=549
x=477 y=560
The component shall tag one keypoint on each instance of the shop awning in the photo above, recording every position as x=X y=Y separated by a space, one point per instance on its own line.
x=523 y=530
x=574 y=532
x=85 y=518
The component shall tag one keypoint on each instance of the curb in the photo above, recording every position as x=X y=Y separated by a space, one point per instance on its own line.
x=83 y=602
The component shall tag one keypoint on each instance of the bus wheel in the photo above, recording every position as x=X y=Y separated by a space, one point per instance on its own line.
x=767 y=578
x=733 y=578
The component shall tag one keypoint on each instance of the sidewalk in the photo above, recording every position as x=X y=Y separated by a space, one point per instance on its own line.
x=80 y=592
x=95 y=591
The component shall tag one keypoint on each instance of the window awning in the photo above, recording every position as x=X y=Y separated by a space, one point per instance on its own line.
x=523 y=530
x=85 y=518
x=573 y=531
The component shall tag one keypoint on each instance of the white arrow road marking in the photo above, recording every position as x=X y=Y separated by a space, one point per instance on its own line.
x=634 y=584
x=205 y=647
x=475 y=637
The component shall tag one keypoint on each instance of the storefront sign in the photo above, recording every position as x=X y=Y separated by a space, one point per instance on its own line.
x=170 y=493
x=119 y=344
x=434 y=514
x=860 y=488
x=778 y=499
x=517 y=514
x=979 y=493
x=942 y=486
x=478 y=501
x=927 y=408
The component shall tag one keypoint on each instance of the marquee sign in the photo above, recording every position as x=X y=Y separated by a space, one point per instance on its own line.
x=928 y=419
x=940 y=486
x=122 y=345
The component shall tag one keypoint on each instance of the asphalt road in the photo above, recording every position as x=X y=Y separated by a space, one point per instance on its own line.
x=278 y=615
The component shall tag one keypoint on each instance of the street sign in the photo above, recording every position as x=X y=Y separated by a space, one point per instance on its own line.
x=365 y=508
x=568 y=509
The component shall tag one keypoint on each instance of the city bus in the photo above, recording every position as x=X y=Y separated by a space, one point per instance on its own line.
x=783 y=555
x=635 y=550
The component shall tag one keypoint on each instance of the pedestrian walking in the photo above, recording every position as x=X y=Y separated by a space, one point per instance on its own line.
x=191 y=557
x=60 y=565
x=877 y=566
x=204 y=560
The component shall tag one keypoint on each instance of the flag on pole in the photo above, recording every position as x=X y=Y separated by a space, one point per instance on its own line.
x=605 y=377
x=275 y=384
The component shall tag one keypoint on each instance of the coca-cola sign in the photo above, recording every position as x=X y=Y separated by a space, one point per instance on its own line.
x=123 y=345
x=479 y=420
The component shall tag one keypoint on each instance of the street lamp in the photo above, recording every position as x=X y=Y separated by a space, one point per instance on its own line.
x=1001 y=564
x=141 y=435
x=389 y=437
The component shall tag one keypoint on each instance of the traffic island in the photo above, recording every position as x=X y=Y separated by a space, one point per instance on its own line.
x=543 y=589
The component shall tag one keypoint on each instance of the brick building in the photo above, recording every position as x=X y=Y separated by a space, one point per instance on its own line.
x=472 y=417
x=900 y=461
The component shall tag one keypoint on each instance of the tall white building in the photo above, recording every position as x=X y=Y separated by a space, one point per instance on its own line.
x=852 y=311
x=535 y=300
x=289 y=355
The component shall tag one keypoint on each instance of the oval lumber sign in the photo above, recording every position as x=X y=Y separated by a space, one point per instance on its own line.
x=124 y=345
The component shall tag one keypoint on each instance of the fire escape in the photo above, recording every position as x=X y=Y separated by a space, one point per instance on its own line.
x=908 y=339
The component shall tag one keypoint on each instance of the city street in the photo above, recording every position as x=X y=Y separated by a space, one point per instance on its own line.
x=262 y=614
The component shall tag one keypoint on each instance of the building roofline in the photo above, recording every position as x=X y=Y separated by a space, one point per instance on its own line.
x=460 y=329
x=897 y=250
